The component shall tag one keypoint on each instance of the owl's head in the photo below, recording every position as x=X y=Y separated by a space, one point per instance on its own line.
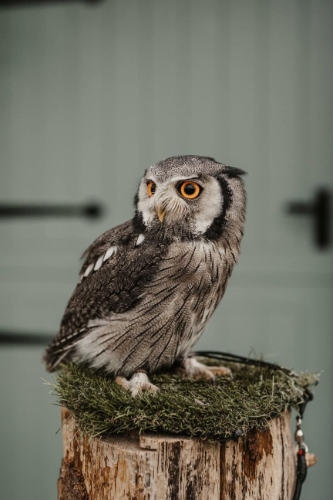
x=193 y=194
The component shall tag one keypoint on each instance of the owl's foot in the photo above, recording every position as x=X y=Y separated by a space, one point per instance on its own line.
x=195 y=369
x=138 y=383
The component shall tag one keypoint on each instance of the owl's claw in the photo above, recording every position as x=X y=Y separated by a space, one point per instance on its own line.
x=138 y=383
x=195 y=369
x=220 y=370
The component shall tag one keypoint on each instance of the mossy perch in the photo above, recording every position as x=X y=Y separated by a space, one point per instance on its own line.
x=191 y=441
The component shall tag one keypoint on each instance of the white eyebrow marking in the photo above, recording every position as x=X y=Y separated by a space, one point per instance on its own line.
x=140 y=239
x=99 y=263
x=110 y=251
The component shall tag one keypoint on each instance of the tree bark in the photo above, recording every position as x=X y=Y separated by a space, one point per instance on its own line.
x=260 y=466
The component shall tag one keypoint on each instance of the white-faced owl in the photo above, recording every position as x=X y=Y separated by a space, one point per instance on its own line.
x=149 y=286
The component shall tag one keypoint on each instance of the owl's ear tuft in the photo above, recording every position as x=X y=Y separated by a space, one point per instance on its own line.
x=233 y=171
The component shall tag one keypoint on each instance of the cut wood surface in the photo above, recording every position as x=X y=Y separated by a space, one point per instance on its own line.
x=260 y=466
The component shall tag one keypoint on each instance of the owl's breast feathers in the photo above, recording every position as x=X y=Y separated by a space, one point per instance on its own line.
x=142 y=301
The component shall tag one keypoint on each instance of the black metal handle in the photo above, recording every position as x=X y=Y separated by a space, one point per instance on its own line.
x=28 y=339
x=19 y=3
x=90 y=210
x=320 y=210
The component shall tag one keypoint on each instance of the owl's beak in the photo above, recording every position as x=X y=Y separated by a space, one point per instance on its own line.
x=160 y=214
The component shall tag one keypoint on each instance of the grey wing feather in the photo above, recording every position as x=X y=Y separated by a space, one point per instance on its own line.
x=74 y=322
x=116 y=236
x=115 y=287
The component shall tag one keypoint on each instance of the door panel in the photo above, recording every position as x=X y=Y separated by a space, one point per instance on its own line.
x=90 y=96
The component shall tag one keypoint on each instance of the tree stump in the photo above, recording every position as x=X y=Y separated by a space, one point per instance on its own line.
x=260 y=466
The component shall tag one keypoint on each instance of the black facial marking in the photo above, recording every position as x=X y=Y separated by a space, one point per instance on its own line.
x=138 y=223
x=216 y=228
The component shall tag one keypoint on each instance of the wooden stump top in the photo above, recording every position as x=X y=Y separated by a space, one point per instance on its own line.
x=260 y=465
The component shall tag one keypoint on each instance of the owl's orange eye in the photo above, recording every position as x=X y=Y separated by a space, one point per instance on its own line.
x=189 y=190
x=151 y=188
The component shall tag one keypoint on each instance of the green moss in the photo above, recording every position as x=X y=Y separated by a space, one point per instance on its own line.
x=226 y=409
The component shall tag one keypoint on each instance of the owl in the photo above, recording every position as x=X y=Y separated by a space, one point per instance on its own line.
x=148 y=287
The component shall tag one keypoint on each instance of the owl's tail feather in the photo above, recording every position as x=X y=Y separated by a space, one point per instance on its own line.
x=54 y=357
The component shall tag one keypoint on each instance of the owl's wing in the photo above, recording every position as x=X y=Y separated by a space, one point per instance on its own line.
x=112 y=238
x=117 y=266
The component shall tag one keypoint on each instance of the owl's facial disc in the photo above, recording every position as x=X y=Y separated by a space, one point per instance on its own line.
x=192 y=201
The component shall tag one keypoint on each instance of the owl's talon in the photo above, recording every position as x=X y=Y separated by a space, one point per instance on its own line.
x=221 y=370
x=123 y=382
x=195 y=369
x=138 y=383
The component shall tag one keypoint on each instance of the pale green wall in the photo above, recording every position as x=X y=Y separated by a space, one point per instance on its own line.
x=92 y=95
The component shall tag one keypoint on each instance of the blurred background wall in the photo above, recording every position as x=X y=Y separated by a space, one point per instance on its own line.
x=92 y=94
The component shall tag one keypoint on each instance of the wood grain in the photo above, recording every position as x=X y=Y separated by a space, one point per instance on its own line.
x=260 y=465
